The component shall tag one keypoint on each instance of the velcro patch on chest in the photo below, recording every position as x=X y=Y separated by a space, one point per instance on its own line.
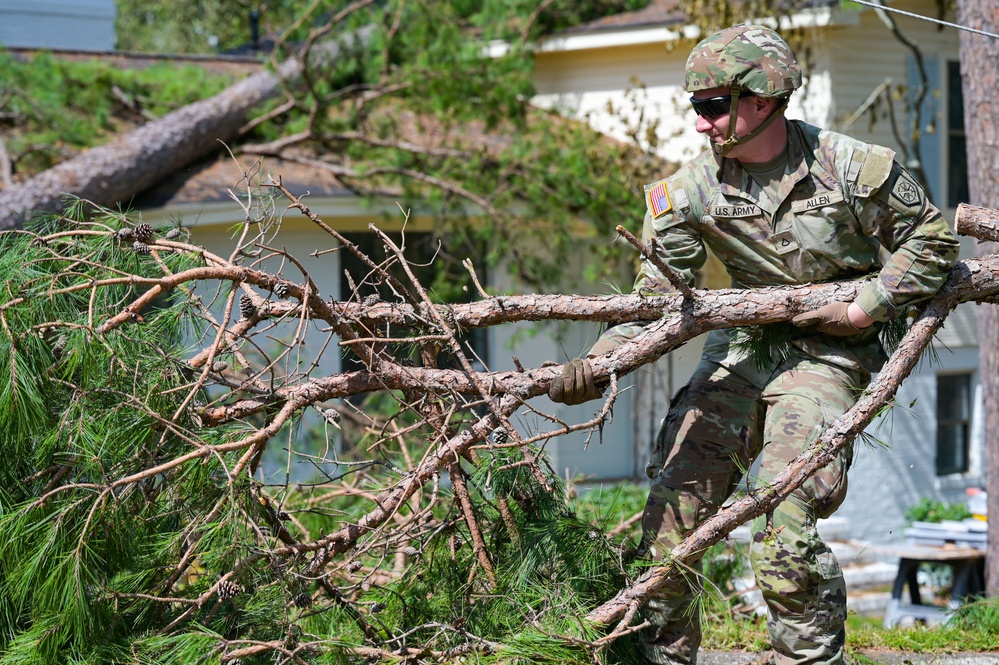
x=747 y=210
x=820 y=200
x=657 y=198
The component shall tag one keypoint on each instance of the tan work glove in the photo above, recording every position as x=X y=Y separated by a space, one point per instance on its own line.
x=831 y=319
x=576 y=384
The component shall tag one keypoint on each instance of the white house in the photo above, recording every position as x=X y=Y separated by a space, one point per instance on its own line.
x=626 y=71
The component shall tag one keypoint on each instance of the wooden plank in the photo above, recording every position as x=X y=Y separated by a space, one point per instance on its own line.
x=930 y=553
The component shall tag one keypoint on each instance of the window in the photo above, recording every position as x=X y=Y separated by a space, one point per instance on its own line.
x=953 y=422
x=957 y=157
x=435 y=274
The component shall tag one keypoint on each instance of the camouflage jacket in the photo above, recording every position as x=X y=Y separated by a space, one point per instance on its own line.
x=844 y=209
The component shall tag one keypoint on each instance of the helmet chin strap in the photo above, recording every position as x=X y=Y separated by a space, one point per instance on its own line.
x=733 y=139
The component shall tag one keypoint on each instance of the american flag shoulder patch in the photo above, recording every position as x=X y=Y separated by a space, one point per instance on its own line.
x=658 y=199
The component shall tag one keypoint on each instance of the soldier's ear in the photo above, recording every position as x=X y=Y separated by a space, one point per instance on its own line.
x=765 y=105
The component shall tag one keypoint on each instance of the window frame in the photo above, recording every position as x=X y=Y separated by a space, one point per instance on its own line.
x=952 y=130
x=945 y=423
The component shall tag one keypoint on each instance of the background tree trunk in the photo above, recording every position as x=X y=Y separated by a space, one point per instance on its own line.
x=121 y=169
x=980 y=77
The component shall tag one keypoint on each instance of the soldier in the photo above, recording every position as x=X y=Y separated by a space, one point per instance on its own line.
x=778 y=202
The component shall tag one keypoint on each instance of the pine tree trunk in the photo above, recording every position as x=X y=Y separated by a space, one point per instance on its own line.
x=116 y=172
x=980 y=76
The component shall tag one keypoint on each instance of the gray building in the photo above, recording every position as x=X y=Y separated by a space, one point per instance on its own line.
x=58 y=25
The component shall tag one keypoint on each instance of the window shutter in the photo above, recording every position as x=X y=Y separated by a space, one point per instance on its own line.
x=931 y=123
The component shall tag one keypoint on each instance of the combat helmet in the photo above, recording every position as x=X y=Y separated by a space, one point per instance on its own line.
x=748 y=59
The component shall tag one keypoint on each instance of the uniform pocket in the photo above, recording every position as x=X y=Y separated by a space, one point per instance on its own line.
x=666 y=436
x=830 y=605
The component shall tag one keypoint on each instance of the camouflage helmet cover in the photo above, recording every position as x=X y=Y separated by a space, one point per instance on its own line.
x=755 y=57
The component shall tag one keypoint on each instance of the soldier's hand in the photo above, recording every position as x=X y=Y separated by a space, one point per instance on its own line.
x=576 y=385
x=832 y=319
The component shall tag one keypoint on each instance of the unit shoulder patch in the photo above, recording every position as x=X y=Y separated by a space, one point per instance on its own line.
x=657 y=199
x=906 y=191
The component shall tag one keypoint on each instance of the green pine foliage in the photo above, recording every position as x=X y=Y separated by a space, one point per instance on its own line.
x=121 y=542
x=78 y=410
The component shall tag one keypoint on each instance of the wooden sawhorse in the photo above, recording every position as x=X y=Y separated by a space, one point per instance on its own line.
x=967 y=564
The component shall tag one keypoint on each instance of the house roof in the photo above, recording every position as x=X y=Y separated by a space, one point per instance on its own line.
x=657 y=12
x=212 y=180
x=661 y=21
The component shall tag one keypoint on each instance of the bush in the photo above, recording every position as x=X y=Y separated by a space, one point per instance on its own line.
x=930 y=510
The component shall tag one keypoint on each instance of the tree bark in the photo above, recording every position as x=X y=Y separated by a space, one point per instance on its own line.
x=978 y=222
x=118 y=171
x=980 y=79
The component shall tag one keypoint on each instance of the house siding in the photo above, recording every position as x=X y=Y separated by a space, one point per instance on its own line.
x=73 y=25
x=894 y=464
x=863 y=57
x=620 y=88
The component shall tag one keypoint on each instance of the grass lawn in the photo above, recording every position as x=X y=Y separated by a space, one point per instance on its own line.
x=974 y=629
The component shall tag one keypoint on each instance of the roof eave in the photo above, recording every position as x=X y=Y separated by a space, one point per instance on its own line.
x=817 y=17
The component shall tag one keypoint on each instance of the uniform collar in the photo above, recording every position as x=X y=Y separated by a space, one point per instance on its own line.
x=735 y=181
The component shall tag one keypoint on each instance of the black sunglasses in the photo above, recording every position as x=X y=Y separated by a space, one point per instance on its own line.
x=713 y=107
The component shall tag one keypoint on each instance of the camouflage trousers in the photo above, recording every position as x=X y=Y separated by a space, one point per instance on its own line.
x=716 y=427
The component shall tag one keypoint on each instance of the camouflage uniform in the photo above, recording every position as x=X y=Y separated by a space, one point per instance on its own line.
x=843 y=209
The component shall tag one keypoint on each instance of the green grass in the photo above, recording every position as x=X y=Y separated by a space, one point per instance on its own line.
x=728 y=633
x=974 y=629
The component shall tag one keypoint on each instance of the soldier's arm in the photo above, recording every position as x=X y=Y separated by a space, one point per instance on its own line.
x=677 y=244
x=921 y=247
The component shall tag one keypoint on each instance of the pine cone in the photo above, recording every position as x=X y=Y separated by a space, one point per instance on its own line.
x=228 y=590
x=246 y=306
x=500 y=435
x=303 y=600
x=140 y=247
x=121 y=235
x=144 y=232
x=410 y=551
x=332 y=416
x=59 y=345
x=281 y=290
x=173 y=233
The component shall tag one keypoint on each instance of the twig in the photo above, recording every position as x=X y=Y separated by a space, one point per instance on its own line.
x=467 y=263
x=468 y=511
x=649 y=253
x=626 y=524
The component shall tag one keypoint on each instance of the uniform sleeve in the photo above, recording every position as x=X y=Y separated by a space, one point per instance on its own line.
x=677 y=244
x=922 y=248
